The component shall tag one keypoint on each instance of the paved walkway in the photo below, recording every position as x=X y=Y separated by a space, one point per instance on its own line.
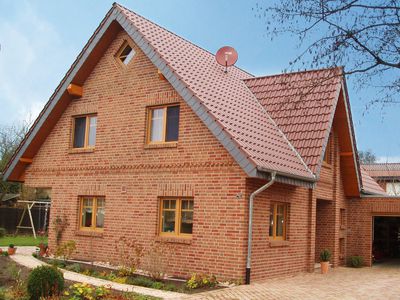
x=379 y=282
x=24 y=257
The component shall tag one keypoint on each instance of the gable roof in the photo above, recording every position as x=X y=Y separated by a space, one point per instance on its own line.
x=383 y=170
x=370 y=186
x=302 y=104
x=272 y=123
x=221 y=100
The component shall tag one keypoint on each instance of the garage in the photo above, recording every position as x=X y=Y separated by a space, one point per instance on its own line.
x=386 y=239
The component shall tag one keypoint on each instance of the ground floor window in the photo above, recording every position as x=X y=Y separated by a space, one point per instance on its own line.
x=176 y=217
x=91 y=215
x=278 y=221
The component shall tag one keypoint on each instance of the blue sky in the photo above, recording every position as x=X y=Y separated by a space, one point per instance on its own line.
x=40 y=40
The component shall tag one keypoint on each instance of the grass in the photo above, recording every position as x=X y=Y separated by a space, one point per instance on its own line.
x=21 y=240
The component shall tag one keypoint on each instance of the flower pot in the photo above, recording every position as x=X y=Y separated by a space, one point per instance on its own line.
x=43 y=249
x=11 y=251
x=324 y=267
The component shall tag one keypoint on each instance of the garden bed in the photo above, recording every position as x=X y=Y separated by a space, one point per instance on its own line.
x=124 y=277
x=13 y=285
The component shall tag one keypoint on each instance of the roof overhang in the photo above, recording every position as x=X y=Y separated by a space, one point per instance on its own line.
x=80 y=69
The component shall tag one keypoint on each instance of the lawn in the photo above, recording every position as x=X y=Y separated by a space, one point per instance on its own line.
x=21 y=240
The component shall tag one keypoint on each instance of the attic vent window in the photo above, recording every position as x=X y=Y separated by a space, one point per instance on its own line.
x=125 y=54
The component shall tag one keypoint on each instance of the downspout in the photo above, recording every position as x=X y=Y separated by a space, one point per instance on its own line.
x=250 y=234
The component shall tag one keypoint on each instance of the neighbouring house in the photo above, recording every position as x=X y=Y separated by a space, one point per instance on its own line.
x=148 y=138
x=387 y=175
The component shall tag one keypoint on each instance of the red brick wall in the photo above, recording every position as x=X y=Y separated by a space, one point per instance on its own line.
x=132 y=177
x=271 y=259
x=360 y=223
x=331 y=199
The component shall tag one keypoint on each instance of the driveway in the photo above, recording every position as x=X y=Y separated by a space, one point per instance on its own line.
x=379 y=282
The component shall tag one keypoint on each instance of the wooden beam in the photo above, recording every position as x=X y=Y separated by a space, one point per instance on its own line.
x=161 y=75
x=75 y=90
x=346 y=153
x=25 y=160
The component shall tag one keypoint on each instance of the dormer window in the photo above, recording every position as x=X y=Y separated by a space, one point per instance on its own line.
x=125 y=53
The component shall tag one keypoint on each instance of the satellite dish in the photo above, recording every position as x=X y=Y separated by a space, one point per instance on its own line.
x=226 y=56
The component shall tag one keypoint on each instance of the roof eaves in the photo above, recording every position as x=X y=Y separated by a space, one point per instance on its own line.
x=327 y=133
x=352 y=135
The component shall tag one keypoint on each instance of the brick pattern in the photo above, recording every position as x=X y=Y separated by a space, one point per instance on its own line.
x=133 y=176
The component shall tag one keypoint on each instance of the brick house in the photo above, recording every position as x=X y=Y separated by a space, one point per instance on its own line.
x=147 y=137
x=387 y=175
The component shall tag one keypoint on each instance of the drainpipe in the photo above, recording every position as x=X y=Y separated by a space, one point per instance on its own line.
x=250 y=235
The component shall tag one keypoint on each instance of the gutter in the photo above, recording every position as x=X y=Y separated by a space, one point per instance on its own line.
x=250 y=234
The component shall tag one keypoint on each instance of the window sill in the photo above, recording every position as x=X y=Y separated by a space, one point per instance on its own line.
x=81 y=150
x=173 y=239
x=161 y=145
x=279 y=243
x=90 y=233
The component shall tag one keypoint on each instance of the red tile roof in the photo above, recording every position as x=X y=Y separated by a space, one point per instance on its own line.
x=370 y=186
x=226 y=98
x=302 y=104
x=386 y=170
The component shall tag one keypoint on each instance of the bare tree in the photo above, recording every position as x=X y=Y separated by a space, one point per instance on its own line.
x=363 y=36
x=367 y=157
x=10 y=138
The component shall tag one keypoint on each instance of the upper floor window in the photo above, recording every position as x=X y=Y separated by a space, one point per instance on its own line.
x=176 y=217
x=278 y=221
x=163 y=124
x=92 y=213
x=125 y=53
x=84 y=131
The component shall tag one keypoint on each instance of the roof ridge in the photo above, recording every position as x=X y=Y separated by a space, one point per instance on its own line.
x=178 y=36
x=294 y=73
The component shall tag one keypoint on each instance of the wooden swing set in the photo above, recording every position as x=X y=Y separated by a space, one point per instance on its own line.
x=27 y=209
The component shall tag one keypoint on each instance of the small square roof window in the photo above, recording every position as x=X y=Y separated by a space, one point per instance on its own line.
x=126 y=53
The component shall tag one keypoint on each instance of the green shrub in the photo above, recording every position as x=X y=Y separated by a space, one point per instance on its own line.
x=325 y=255
x=85 y=291
x=201 y=280
x=45 y=281
x=65 y=250
x=141 y=281
x=157 y=285
x=170 y=287
x=356 y=261
x=3 y=232
x=2 y=293
x=74 y=268
x=4 y=253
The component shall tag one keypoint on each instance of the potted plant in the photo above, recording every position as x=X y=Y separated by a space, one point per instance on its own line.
x=11 y=249
x=324 y=256
x=42 y=249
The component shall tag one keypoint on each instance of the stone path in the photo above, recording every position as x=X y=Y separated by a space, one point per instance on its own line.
x=378 y=282
x=24 y=257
